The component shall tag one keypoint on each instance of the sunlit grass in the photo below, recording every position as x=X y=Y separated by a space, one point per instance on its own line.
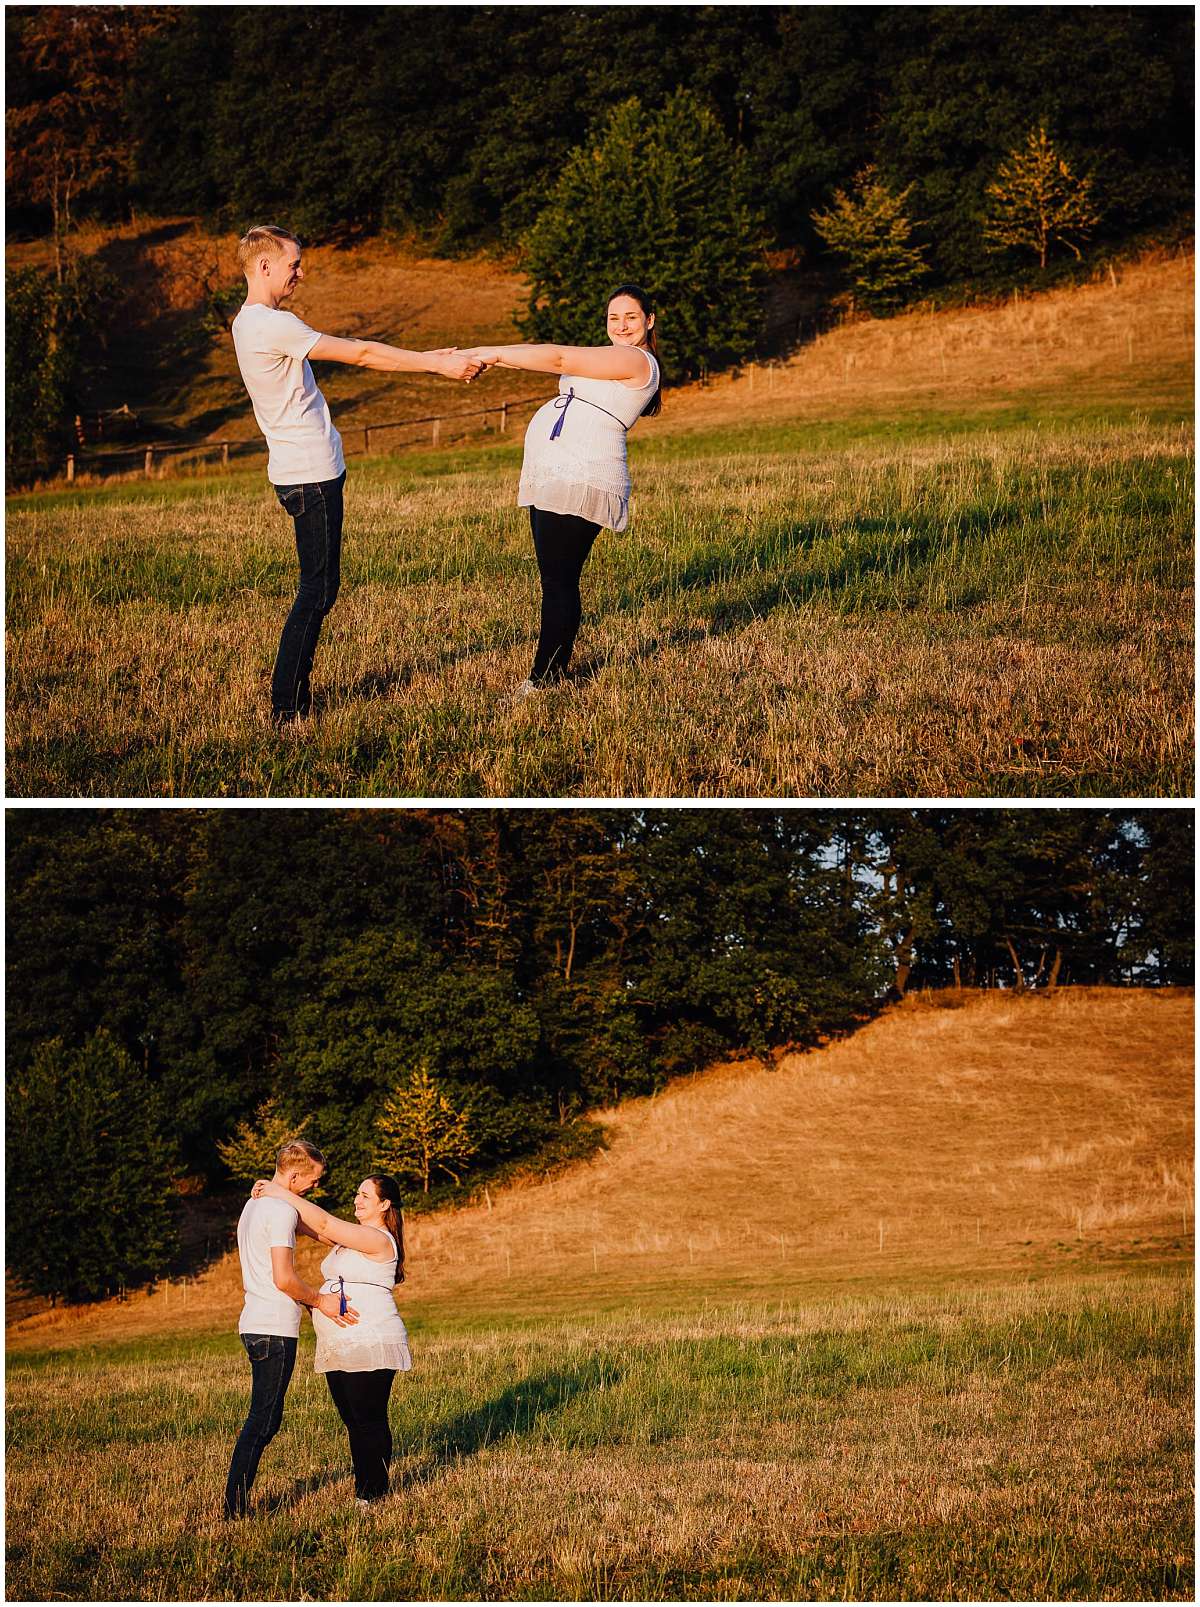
x=1024 y=1442
x=797 y=610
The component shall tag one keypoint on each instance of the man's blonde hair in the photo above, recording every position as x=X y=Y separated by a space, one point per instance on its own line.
x=262 y=237
x=298 y=1153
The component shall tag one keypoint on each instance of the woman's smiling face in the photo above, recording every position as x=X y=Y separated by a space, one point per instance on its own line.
x=367 y=1203
x=628 y=325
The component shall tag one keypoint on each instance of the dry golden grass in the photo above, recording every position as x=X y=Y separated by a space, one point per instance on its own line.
x=1021 y=1442
x=1121 y=335
x=995 y=1135
x=377 y=291
x=1129 y=335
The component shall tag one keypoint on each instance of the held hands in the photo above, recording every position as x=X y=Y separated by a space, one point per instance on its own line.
x=263 y=1188
x=488 y=357
x=330 y=1306
x=448 y=360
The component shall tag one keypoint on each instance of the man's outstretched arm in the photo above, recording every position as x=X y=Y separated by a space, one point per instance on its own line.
x=449 y=362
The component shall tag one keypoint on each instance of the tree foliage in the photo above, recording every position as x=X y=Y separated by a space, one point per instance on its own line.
x=1037 y=199
x=165 y=107
x=250 y=1150
x=55 y=333
x=421 y=1131
x=89 y=1198
x=68 y=138
x=869 y=230
x=659 y=199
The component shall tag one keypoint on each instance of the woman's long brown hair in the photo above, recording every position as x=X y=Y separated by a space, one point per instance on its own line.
x=389 y=1192
x=654 y=406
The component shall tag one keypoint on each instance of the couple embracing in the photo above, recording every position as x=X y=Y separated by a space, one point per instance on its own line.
x=361 y=1341
x=574 y=481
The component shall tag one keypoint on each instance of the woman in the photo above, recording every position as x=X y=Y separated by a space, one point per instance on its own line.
x=575 y=477
x=360 y=1362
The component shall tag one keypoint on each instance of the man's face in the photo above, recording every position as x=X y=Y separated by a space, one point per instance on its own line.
x=282 y=273
x=301 y=1182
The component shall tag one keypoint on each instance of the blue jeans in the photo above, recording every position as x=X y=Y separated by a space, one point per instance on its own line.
x=316 y=511
x=272 y=1359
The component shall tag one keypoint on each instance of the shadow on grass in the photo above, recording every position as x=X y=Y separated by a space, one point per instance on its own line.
x=300 y=1488
x=866 y=550
x=520 y=1411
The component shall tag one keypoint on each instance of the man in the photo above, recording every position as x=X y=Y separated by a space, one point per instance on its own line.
x=305 y=462
x=270 y=1319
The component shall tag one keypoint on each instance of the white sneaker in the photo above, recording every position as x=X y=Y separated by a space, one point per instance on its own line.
x=526 y=689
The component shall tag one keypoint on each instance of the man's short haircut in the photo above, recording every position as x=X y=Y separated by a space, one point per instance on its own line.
x=268 y=237
x=296 y=1152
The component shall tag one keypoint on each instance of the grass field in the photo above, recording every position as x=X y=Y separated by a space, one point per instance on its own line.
x=939 y=557
x=909 y=1317
x=1021 y=1442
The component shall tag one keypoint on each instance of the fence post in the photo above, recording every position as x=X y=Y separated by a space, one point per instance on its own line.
x=367 y=438
x=437 y=431
x=149 y=461
x=224 y=454
x=503 y=417
x=70 y=467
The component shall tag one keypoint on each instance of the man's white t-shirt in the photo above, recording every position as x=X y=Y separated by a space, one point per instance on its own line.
x=263 y=1225
x=272 y=349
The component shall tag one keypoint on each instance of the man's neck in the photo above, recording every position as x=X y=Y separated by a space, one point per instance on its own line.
x=260 y=296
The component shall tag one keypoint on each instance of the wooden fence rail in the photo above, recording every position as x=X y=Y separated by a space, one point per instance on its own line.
x=160 y=451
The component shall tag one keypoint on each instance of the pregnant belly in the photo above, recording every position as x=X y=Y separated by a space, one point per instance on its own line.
x=375 y=1306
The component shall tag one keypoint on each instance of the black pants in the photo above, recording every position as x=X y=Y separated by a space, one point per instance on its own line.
x=272 y=1358
x=316 y=511
x=562 y=542
x=362 y=1403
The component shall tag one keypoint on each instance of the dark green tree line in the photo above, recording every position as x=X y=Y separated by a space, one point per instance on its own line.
x=456 y=121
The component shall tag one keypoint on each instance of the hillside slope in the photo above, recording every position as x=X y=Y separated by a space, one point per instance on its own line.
x=1009 y=1132
x=1012 y=1135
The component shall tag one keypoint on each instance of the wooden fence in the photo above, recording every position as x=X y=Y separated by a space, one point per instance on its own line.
x=155 y=456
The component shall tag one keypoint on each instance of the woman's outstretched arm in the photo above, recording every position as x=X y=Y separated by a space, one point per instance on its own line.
x=589 y=362
x=330 y=1228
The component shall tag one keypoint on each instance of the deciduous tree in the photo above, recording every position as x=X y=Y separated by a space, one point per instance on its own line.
x=250 y=1151
x=421 y=1132
x=1037 y=199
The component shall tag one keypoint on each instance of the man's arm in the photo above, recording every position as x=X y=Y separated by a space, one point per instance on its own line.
x=288 y=1282
x=394 y=359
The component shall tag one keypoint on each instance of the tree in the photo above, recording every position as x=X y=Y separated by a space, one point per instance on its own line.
x=1036 y=199
x=90 y=1198
x=422 y=1132
x=869 y=229
x=254 y=1144
x=659 y=199
x=56 y=330
x=68 y=137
